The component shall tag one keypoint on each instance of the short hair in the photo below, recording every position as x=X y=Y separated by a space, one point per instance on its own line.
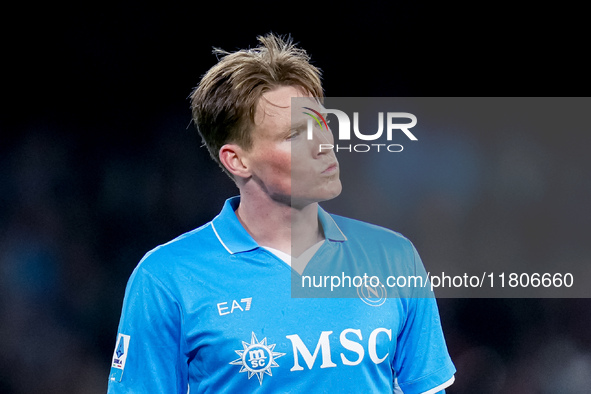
x=223 y=105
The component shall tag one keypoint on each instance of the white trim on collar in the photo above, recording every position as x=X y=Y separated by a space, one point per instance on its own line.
x=220 y=239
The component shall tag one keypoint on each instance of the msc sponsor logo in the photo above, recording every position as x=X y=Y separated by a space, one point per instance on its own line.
x=349 y=338
x=257 y=358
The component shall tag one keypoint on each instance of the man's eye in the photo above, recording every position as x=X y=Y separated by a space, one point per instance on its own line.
x=293 y=134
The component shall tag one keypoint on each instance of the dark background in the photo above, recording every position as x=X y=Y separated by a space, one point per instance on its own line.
x=99 y=163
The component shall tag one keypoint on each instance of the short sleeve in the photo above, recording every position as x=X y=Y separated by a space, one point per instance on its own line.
x=149 y=354
x=422 y=362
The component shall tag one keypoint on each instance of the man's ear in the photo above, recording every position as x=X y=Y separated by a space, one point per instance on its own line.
x=232 y=157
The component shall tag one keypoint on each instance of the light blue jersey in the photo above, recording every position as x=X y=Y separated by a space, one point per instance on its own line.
x=212 y=311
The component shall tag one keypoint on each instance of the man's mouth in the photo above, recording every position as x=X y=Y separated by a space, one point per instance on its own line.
x=331 y=169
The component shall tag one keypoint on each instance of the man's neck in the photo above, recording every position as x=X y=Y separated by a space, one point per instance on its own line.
x=279 y=225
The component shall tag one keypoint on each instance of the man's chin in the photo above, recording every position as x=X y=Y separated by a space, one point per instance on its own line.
x=336 y=191
x=327 y=194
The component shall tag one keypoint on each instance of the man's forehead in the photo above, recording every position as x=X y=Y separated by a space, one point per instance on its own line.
x=285 y=101
x=305 y=103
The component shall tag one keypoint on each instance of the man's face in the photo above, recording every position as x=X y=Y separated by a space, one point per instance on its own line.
x=287 y=165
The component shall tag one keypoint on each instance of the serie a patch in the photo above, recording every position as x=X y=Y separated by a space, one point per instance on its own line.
x=119 y=357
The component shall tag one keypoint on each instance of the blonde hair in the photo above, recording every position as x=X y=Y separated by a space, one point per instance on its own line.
x=224 y=103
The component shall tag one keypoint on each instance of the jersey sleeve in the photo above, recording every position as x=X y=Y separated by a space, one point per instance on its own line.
x=149 y=354
x=422 y=363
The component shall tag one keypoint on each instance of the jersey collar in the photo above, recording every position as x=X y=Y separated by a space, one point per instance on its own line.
x=332 y=232
x=229 y=231
x=235 y=239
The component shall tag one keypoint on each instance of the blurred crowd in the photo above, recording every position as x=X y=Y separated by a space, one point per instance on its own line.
x=76 y=217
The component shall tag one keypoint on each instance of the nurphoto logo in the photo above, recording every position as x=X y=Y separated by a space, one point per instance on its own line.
x=389 y=122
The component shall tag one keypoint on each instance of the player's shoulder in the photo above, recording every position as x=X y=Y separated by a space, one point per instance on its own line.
x=187 y=246
x=368 y=232
x=383 y=251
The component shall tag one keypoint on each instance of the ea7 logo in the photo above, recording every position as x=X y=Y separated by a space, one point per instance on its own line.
x=350 y=339
x=224 y=309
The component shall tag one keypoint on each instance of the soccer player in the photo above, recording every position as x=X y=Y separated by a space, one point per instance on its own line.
x=212 y=310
